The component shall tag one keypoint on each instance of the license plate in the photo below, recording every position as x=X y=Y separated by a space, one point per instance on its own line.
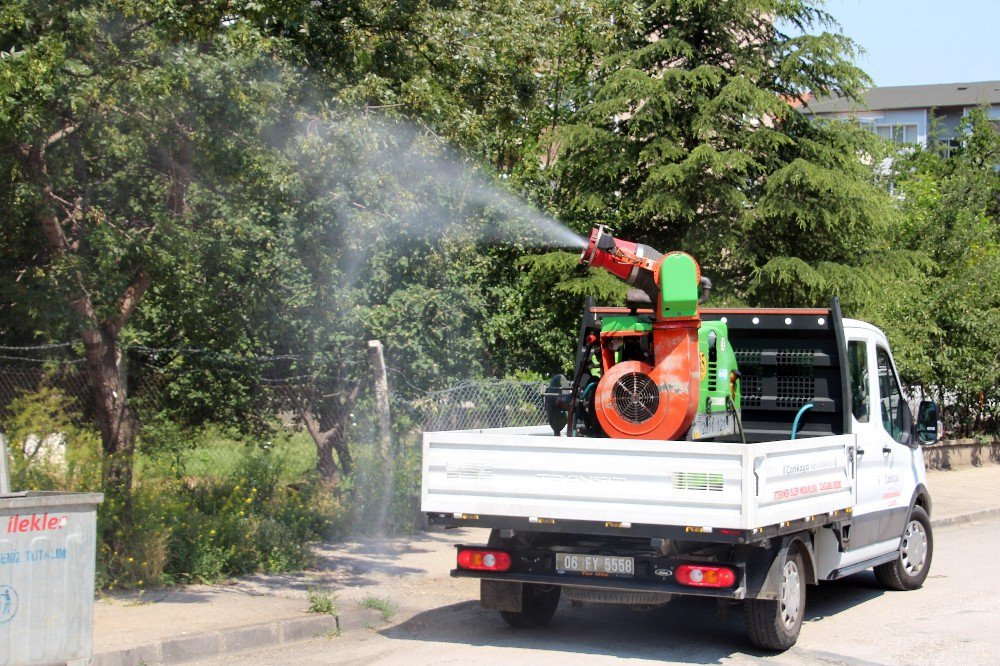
x=595 y=564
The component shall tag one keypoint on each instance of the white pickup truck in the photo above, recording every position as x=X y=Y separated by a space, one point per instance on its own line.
x=750 y=520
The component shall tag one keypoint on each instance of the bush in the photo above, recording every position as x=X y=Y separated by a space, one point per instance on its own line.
x=379 y=507
x=249 y=521
x=205 y=505
x=48 y=450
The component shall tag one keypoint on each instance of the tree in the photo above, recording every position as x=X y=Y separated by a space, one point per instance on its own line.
x=392 y=221
x=951 y=208
x=691 y=138
x=107 y=120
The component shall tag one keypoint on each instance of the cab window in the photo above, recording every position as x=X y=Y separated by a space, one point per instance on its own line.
x=857 y=364
x=892 y=402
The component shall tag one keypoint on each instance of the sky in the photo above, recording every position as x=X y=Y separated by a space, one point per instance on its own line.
x=914 y=42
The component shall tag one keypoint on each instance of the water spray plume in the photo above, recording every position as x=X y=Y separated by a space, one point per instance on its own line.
x=426 y=190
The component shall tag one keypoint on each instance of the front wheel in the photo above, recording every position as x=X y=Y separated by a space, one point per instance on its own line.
x=538 y=605
x=909 y=570
x=773 y=624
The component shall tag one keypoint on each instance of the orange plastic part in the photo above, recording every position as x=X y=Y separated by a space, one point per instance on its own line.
x=677 y=376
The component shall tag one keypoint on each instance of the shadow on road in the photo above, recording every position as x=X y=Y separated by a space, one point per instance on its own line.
x=832 y=597
x=688 y=629
x=363 y=563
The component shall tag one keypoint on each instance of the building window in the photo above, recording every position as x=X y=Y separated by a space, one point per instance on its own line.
x=947 y=147
x=867 y=123
x=897 y=133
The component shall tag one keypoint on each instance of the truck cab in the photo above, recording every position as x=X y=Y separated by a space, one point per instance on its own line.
x=891 y=477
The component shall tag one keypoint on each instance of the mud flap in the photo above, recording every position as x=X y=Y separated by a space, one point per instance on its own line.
x=500 y=595
x=765 y=565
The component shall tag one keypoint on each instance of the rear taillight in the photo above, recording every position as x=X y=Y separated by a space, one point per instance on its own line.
x=483 y=560
x=696 y=575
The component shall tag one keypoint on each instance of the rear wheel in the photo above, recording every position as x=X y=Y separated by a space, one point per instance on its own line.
x=538 y=605
x=909 y=570
x=773 y=624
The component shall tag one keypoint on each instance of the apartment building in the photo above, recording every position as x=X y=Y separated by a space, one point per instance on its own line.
x=903 y=113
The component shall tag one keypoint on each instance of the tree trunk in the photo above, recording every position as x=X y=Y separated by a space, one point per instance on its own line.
x=329 y=470
x=118 y=422
x=327 y=467
x=332 y=440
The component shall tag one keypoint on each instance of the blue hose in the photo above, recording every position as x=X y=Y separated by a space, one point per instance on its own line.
x=795 y=423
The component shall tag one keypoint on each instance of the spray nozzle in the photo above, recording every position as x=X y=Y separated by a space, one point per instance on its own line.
x=600 y=241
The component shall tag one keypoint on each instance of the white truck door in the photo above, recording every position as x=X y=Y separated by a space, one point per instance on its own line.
x=871 y=463
x=895 y=432
x=863 y=541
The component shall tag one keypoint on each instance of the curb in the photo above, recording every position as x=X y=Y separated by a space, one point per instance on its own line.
x=965 y=518
x=191 y=647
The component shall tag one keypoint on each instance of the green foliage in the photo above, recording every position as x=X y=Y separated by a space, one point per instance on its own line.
x=690 y=140
x=48 y=448
x=250 y=521
x=380 y=604
x=323 y=602
x=685 y=134
x=204 y=508
x=193 y=520
x=373 y=491
x=952 y=212
x=533 y=327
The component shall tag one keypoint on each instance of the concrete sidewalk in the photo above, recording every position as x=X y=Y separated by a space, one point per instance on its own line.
x=373 y=581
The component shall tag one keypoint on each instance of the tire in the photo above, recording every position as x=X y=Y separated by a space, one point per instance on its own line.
x=909 y=570
x=538 y=605
x=775 y=624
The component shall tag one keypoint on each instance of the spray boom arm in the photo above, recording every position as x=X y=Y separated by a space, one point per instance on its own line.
x=669 y=282
x=617 y=256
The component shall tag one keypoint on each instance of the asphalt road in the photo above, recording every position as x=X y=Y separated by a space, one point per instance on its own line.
x=953 y=619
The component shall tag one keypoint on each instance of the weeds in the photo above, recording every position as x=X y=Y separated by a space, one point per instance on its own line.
x=206 y=503
x=203 y=505
x=323 y=602
x=383 y=606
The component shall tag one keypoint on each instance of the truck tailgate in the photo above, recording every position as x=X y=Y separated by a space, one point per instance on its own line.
x=528 y=473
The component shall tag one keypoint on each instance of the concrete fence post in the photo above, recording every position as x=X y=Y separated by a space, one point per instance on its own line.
x=383 y=417
x=383 y=422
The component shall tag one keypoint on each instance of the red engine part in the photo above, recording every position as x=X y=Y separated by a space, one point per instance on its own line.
x=638 y=401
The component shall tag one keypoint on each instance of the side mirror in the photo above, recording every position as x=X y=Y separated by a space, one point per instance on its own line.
x=927 y=422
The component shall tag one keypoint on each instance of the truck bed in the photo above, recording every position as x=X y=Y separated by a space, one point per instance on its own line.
x=521 y=476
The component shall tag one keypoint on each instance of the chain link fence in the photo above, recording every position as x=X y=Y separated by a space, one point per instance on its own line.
x=468 y=404
x=476 y=404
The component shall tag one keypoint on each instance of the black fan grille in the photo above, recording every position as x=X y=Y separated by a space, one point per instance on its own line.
x=636 y=397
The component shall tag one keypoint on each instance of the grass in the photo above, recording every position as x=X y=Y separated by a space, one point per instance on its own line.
x=323 y=602
x=383 y=606
x=219 y=455
x=215 y=454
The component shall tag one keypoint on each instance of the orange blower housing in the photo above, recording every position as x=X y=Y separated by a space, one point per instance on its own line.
x=651 y=371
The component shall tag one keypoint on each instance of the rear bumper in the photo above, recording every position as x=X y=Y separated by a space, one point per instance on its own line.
x=653 y=574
